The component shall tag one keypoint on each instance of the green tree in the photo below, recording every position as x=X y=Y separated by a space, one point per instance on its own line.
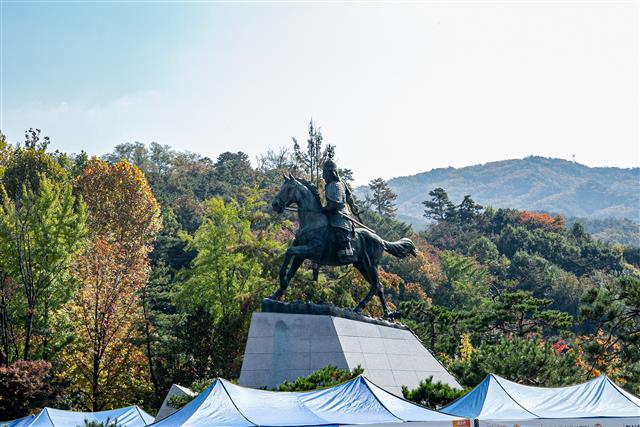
x=233 y=268
x=329 y=376
x=309 y=161
x=28 y=163
x=381 y=198
x=467 y=211
x=437 y=326
x=439 y=207
x=6 y=152
x=40 y=232
x=466 y=281
x=433 y=394
x=520 y=313
x=233 y=171
x=613 y=345
x=527 y=360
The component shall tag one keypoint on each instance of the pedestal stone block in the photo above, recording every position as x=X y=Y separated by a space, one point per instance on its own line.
x=285 y=346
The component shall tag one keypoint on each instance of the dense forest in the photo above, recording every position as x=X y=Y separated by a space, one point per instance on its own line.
x=123 y=274
x=605 y=200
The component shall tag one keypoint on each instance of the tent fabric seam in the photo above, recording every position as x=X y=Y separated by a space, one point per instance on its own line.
x=141 y=417
x=615 y=386
x=378 y=400
x=327 y=423
x=49 y=416
x=234 y=403
x=180 y=409
x=393 y=395
x=512 y=399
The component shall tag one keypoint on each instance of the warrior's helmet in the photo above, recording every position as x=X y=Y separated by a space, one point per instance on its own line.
x=330 y=171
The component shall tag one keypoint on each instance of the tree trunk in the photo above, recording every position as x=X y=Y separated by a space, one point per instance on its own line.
x=94 y=383
x=28 y=332
x=433 y=337
x=152 y=372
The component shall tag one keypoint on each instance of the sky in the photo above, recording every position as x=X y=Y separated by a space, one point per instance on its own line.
x=398 y=88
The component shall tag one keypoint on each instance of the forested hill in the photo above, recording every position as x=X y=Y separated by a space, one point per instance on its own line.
x=532 y=183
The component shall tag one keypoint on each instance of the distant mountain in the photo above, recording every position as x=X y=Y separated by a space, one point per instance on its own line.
x=533 y=183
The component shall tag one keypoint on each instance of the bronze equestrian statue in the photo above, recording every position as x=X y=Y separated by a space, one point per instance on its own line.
x=326 y=234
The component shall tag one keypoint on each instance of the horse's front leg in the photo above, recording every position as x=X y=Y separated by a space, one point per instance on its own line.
x=283 y=273
x=295 y=265
x=299 y=254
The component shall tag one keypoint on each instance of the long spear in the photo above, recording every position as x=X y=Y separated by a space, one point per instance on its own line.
x=355 y=221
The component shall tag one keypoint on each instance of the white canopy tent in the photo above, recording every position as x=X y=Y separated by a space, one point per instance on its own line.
x=357 y=402
x=166 y=409
x=500 y=402
x=131 y=416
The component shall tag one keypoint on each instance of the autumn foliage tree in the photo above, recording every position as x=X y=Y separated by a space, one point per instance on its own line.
x=107 y=366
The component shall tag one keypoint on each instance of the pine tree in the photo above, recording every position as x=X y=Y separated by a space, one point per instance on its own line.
x=381 y=198
x=309 y=162
x=439 y=207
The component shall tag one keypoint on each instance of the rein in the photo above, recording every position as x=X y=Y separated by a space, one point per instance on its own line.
x=300 y=210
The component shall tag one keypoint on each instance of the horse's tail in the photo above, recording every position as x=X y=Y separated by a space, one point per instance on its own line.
x=401 y=248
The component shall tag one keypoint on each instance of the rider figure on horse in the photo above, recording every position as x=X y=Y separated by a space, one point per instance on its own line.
x=338 y=198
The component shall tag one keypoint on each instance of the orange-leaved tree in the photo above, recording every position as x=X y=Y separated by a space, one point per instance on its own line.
x=106 y=363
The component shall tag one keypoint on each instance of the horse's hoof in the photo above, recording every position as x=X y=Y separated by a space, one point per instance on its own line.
x=275 y=296
x=394 y=315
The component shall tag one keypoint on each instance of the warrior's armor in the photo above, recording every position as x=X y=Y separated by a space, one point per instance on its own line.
x=338 y=198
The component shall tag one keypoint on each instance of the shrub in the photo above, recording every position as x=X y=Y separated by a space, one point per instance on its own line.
x=26 y=386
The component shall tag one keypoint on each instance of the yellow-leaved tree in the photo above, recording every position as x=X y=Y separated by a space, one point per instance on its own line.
x=106 y=363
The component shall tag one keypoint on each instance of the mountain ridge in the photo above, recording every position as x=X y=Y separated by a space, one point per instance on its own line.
x=533 y=183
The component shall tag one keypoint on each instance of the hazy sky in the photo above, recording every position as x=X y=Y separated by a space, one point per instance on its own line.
x=398 y=88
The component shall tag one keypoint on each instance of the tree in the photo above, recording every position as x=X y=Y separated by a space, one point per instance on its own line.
x=613 y=345
x=310 y=161
x=439 y=208
x=232 y=172
x=28 y=164
x=524 y=360
x=520 y=313
x=26 y=386
x=466 y=281
x=468 y=211
x=233 y=268
x=438 y=326
x=107 y=365
x=381 y=198
x=432 y=394
x=329 y=376
x=278 y=160
x=41 y=229
x=6 y=152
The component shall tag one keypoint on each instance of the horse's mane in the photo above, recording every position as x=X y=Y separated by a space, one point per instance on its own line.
x=311 y=187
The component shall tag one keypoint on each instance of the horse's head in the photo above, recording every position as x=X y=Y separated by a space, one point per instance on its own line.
x=289 y=193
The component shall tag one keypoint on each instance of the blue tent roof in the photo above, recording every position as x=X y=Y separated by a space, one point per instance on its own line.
x=355 y=402
x=20 y=422
x=131 y=416
x=499 y=399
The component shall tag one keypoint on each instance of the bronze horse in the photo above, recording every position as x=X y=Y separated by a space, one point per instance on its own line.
x=315 y=240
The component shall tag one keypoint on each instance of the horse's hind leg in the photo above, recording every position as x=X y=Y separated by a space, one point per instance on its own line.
x=372 y=290
x=379 y=291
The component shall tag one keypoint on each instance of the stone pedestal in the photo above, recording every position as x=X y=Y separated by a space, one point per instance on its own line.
x=284 y=346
